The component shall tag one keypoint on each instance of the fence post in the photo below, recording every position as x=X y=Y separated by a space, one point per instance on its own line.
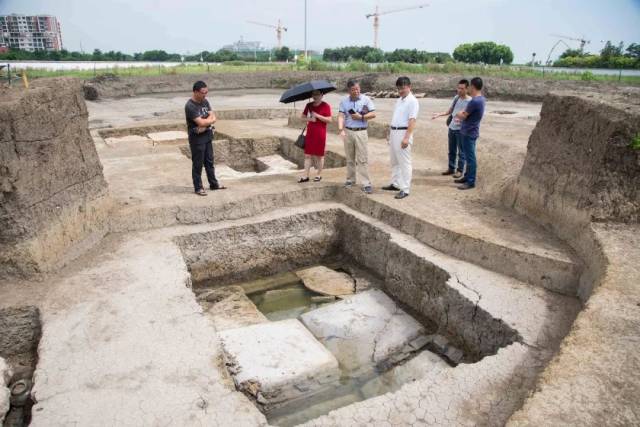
x=9 y=72
x=620 y=75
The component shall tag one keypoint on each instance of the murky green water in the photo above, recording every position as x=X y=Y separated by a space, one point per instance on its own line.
x=287 y=302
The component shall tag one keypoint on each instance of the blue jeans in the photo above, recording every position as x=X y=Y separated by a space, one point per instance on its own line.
x=455 y=149
x=469 y=148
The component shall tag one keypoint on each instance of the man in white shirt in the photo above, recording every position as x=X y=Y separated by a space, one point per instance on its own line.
x=400 y=138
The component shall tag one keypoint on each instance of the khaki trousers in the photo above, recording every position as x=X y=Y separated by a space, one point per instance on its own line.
x=356 y=152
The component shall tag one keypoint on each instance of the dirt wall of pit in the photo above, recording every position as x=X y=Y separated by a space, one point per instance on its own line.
x=52 y=191
x=434 y=85
x=581 y=178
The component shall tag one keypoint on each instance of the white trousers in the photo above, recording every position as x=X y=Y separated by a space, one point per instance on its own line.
x=400 y=160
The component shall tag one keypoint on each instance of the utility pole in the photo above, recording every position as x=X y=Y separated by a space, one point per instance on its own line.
x=305 y=30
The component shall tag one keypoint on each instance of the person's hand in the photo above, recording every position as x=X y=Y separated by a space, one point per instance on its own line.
x=405 y=143
x=342 y=134
x=435 y=116
x=356 y=116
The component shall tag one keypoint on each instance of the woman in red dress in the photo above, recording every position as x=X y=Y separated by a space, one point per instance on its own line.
x=317 y=114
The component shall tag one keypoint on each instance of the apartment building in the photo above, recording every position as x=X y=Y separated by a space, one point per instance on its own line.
x=31 y=33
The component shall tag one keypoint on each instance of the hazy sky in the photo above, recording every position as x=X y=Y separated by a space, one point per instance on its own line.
x=192 y=26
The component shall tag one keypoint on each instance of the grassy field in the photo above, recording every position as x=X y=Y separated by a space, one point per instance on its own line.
x=355 y=66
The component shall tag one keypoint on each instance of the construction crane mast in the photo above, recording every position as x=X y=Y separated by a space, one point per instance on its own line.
x=376 y=19
x=279 y=29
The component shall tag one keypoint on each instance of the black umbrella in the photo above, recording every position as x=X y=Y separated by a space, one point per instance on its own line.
x=303 y=91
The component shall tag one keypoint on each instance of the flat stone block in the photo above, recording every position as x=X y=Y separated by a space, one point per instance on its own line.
x=168 y=136
x=5 y=376
x=278 y=361
x=364 y=329
x=326 y=281
x=230 y=308
x=277 y=164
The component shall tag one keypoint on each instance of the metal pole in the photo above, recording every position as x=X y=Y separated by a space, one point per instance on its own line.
x=620 y=75
x=305 y=30
x=9 y=71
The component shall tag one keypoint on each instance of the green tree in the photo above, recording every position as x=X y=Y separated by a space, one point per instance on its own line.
x=485 y=52
x=609 y=50
x=572 y=52
x=633 y=50
x=283 y=54
x=97 y=55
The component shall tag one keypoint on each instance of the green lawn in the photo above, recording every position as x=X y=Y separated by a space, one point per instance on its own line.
x=355 y=66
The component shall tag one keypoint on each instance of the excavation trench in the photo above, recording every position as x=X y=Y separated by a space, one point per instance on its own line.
x=298 y=351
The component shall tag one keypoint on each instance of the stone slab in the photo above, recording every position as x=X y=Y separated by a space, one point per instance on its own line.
x=278 y=361
x=229 y=307
x=326 y=281
x=277 y=164
x=127 y=138
x=5 y=376
x=177 y=136
x=363 y=330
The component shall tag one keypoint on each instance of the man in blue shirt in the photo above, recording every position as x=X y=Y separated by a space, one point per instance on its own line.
x=470 y=131
x=354 y=114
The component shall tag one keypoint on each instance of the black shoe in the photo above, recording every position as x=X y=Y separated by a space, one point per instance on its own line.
x=217 y=187
x=401 y=195
x=301 y=180
x=448 y=172
x=390 y=187
x=466 y=187
x=460 y=181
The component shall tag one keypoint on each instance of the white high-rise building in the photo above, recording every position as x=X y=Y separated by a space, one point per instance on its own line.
x=31 y=33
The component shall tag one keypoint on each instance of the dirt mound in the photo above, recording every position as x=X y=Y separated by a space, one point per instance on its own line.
x=50 y=174
x=580 y=164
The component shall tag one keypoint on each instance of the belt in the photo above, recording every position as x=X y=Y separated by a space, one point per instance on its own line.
x=355 y=129
x=399 y=128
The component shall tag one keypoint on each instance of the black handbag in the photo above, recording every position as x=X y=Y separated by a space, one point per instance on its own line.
x=300 y=140
x=450 y=118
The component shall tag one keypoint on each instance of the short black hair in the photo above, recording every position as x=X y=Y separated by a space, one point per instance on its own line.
x=199 y=85
x=464 y=82
x=477 y=83
x=403 y=81
x=352 y=82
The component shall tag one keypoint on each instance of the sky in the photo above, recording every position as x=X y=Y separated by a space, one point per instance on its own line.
x=190 y=26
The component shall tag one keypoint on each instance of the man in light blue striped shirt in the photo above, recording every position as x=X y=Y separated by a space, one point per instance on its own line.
x=354 y=113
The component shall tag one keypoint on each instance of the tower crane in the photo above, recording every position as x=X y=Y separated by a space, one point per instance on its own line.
x=279 y=29
x=376 y=19
x=581 y=40
x=561 y=39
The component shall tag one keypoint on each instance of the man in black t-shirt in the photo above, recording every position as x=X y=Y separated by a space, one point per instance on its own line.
x=200 y=120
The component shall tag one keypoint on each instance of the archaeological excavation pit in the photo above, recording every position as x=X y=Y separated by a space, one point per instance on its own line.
x=324 y=308
x=235 y=158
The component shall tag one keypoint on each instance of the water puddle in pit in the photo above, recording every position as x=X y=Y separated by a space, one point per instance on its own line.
x=359 y=377
x=287 y=302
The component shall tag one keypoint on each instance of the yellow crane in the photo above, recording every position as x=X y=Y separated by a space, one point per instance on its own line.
x=279 y=29
x=376 y=19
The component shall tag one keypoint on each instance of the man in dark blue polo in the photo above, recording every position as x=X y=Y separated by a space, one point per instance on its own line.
x=470 y=131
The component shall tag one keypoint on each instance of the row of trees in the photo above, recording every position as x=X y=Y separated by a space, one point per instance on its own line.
x=373 y=55
x=282 y=54
x=483 y=52
x=611 y=56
